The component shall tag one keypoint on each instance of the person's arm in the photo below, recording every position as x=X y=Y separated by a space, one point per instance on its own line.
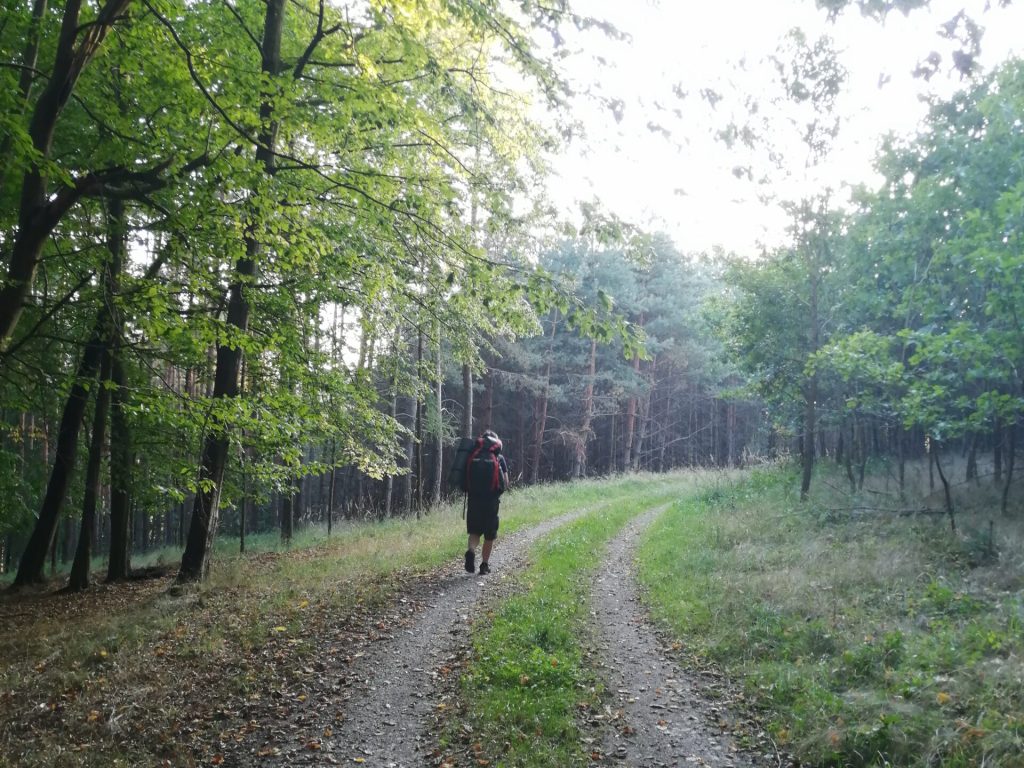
x=504 y=470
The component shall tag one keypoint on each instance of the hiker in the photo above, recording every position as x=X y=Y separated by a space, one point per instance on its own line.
x=486 y=480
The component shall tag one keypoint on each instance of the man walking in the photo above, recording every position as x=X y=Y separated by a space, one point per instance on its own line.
x=486 y=480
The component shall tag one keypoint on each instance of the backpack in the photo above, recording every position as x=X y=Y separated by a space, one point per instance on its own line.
x=457 y=474
x=484 y=477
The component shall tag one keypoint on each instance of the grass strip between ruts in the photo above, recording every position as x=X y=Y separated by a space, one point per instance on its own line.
x=867 y=642
x=529 y=676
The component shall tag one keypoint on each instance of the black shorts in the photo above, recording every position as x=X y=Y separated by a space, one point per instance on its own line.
x=482 y=518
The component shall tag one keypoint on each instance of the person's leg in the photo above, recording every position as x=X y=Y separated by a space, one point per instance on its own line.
x=474 y=539
x=490 y=534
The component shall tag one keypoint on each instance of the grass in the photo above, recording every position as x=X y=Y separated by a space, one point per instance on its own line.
x=866 y=640
x=529 y=678
x=129 y=674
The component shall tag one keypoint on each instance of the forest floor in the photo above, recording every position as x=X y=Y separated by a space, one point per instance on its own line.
x=293 y=672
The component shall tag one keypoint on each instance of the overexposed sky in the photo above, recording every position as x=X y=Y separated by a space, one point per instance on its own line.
x=659 y=165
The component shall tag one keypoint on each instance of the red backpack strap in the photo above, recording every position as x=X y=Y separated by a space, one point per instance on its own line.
x=496 y=479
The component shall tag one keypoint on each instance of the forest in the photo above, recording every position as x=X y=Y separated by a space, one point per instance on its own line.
x=264 y=263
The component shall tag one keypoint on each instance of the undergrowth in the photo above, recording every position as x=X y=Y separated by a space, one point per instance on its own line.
x=867 y=640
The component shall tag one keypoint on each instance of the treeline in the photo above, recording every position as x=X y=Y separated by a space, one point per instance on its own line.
x=897 y=329
x=202 y=204
x=264 y=262
x=569 y=402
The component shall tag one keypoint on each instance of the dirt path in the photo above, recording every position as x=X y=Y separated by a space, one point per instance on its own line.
x=372 y=706
x=662 y=715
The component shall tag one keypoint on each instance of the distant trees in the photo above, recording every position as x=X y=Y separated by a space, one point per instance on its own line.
x=911 y=307
x=267 y=167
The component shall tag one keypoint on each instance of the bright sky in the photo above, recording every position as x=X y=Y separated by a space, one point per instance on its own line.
x=683 y=183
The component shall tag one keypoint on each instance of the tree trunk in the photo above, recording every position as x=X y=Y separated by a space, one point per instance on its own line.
x=931 y=466
x=79 y=579
x=901 y=449
x=195 y=562
x=488 y=414
x=579 y=468
x=997 y=451
x=420 y=404
x=33 y=559
x=121 y=454
x=39 y=210
x=540 y=411
x=333 y=486
x=972 y=460
x=1011 y=451
x=389 y=481
x=408 y=419
x=435 y=495
x=810 y=398
x=121 y=465
x=288 y=497
x=467 y=404
x=945 y=489
x=630 y=425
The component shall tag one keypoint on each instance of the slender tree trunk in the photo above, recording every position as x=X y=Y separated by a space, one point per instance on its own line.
x=333 y=486
x=931 y=466
x=643 y=413
x=901 y=448
x=630 y=425
x=945 y=489
x=435 y=495
x=810 y=398
x=121 y=454
x=244 y=515
x=1011 y=451
x=579 y=468
x=467 y=404
x=541 y=407
x=195 y=562
x=408 y=419
x=121 y=470
x=79 y=579
x=287 y=511
x=488 y=415
x=972 y=460
x=33 y=559
x=420 y=405
x=997 y=451
x=863 y=441
x=389 y=481
x=849 y=461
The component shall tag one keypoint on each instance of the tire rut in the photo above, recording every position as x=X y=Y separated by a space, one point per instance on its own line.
x=661 y=716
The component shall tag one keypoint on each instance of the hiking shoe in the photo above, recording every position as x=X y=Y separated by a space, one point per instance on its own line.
x=471 y=561
x=484 y=568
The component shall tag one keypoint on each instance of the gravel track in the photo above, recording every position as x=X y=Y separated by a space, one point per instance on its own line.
x=378 y=710
x=661 y=715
